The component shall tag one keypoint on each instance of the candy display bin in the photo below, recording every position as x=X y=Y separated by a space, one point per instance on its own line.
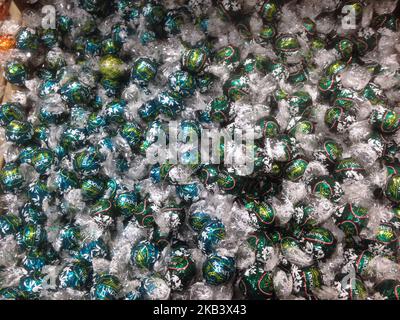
x=199 y=150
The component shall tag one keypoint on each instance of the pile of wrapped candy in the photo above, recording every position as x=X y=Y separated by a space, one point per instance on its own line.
x=84 y=214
